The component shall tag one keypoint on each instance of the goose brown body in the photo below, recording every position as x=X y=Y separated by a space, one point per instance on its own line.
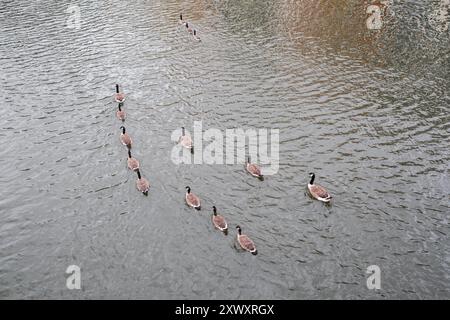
x=125 y=138
x=133 y=163
x=245 y=242
x=219 y=221
x=254 y=169
x=192 y=200
x=194 y=36
x=120 y=113
x=318 y=192
x=118 y=96
x=142 y=184
x=184 y=140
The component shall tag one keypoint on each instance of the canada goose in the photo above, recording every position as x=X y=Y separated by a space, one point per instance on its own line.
x=254 y=169
x=192 y=200
x=125 y=137
x=245 y=242
x=142 y=183
x=189 y=29
x=196 y=38
x=133 y=163
x=219 y=221
x=119 y=97
x=185 y=141
x=120 y=113
x=318 y=192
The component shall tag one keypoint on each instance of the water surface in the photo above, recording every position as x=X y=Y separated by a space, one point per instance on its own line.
x=368 y=111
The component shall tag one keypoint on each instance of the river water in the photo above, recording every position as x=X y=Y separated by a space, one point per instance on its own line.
x=366 y=110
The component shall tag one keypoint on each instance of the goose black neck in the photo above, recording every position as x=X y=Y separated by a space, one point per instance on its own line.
x=182 y=131
x=239 y=230
x=187 y=25
x=181 y=17
x=215 y=210
x=139 y=174
x=195 y=32
x=123 y=129
x=129 y=154
x=313 y=176
x=188 y=190
x=117 y=88
x=248 y=159
x=120 y=107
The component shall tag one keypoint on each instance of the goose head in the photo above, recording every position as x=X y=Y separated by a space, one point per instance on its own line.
x=312 y=176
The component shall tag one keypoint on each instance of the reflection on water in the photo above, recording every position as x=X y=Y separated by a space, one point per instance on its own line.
x=366 y=110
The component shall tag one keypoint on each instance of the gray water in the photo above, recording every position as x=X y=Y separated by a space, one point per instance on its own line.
x=367 y=111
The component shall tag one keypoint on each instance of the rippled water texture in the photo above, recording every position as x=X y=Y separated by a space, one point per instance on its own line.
x=367 y=111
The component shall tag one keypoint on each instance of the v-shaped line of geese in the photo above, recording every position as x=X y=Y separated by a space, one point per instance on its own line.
x=316 y=191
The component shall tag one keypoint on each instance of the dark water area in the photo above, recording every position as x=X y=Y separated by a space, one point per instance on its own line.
x=366 y=110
